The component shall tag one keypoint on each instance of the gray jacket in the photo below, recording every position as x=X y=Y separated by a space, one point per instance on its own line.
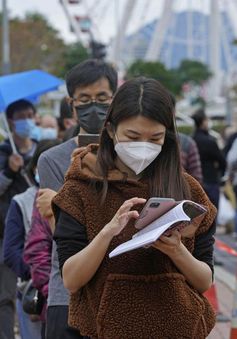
x=52 y=166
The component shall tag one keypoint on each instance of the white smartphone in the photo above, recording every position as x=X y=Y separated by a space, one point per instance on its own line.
x=153 y=209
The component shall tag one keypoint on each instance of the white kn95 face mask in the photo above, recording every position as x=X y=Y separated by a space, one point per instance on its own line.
x=137 y=155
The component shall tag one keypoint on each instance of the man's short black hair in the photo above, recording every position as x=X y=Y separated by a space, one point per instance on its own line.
x=65 y=113
x=199 y=116
x=88 y=72
x=18 y=106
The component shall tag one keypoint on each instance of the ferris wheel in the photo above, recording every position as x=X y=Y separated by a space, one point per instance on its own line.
x=206 y=36
x=84 y=17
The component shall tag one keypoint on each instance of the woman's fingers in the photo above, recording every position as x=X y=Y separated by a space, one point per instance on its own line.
x=125 y=217
x=124 y=214
x=136 y=200
x=169 y=244
x=175 y=235
x=124 y=208
x=128 y=204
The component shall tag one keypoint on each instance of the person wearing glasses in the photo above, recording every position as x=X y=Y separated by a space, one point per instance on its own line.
x=91 y=86
x=153 y=292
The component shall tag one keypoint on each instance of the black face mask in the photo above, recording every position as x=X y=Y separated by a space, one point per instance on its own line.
x=92 y=116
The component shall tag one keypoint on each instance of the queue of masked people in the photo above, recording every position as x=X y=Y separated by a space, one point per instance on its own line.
x=19 y=183
x=82 y=201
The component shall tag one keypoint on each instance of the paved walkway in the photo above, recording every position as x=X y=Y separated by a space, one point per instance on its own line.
x=225 y=285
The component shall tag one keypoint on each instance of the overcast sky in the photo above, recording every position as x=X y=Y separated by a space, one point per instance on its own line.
x=106 y=13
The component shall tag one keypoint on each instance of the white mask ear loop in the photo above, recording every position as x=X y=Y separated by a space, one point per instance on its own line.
x=116 y=137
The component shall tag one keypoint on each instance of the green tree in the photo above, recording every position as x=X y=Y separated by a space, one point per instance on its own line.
x=188 y=71
x=193 y=71
x=155 y=70
x=73 y=54
x=34 y=43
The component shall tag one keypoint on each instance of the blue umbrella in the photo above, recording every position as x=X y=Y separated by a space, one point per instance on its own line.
x=26 y=85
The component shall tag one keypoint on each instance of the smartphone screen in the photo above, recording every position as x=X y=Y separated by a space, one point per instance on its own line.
x=153 y=209
x=86 y=139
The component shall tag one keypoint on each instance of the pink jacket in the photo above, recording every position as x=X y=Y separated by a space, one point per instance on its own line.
x=37 y=252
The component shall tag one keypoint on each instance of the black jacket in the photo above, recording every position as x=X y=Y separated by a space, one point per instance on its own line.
x=212 y=159
x=11 y=183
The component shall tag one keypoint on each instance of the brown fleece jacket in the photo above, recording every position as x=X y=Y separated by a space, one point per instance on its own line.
x=139 y=294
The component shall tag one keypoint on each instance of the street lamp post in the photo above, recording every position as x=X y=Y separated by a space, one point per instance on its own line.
x=6 y=66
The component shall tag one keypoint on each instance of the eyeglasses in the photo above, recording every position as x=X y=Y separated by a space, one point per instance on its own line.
x=86 y=100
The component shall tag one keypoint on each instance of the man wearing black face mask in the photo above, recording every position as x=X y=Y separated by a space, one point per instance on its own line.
x=92 y=114
x=90 y=86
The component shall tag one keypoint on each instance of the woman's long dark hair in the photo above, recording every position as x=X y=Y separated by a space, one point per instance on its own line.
x=148 y=98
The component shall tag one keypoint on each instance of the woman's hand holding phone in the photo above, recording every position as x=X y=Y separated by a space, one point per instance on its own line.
x=122 y=217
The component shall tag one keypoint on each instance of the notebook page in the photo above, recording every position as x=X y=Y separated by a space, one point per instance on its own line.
x=137 y=242
x=142 y=240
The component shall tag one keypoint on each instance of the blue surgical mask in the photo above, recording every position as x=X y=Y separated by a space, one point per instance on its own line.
x=36 y=133
x=49 y=133
x=37 y=178
x=39 y=133
x=23 y=127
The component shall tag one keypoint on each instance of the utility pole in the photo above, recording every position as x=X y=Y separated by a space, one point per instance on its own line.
x=6 y=65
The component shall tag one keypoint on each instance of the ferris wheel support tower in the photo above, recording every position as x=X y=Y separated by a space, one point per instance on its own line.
x=121 y=31
x=154 y=49
x=71 y=20
x=214 y=41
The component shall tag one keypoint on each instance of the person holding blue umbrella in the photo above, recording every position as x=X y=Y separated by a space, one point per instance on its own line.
x=21 y=116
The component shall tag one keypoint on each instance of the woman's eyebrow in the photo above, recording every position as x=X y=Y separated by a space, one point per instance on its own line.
x=158 y=134
x=132 y=131
x=137 y=133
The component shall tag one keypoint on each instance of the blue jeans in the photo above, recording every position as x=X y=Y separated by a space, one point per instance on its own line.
x=28 y=328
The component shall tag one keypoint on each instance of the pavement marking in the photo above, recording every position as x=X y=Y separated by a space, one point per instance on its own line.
x=226 y=277
x=221 y=245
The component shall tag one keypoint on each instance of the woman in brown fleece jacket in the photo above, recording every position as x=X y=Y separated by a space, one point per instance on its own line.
x=146 y=293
